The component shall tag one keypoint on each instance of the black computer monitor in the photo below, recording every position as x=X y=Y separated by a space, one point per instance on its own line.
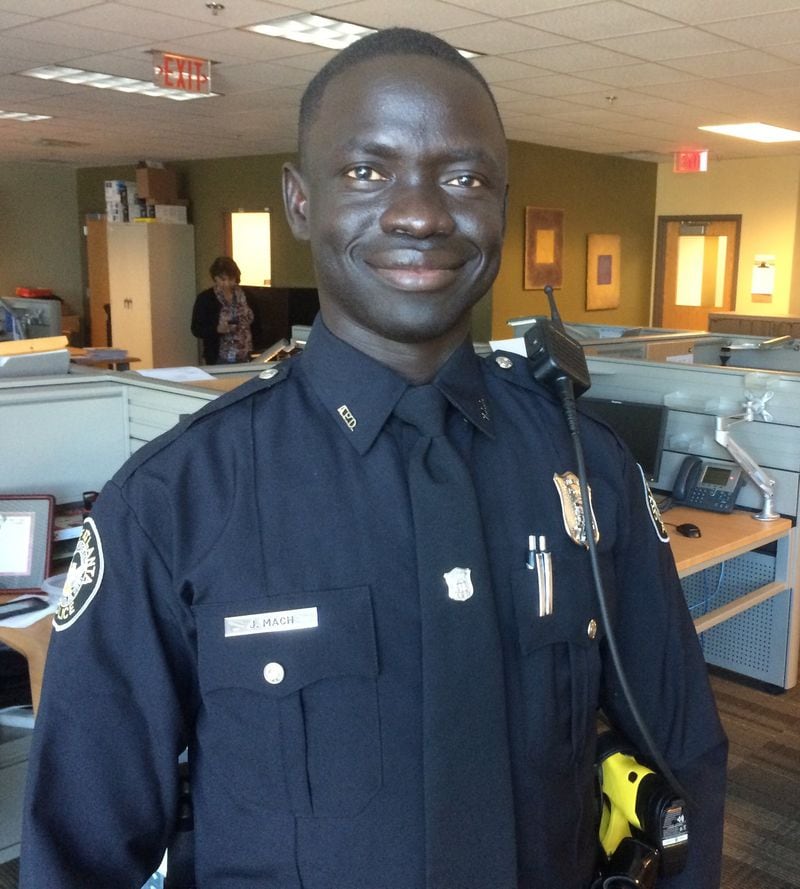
x=641 y=426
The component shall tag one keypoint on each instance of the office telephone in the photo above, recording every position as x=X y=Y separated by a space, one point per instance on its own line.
x=704 y=484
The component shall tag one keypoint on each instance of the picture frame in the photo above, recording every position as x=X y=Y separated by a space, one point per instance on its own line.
x=26 y=534
x=602 y=271
x=544 y=245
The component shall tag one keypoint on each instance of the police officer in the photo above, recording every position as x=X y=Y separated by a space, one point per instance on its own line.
x=289 y=650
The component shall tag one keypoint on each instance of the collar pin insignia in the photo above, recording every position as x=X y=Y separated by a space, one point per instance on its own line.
x=346 y=414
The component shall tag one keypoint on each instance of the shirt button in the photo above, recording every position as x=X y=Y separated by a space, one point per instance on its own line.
x=274 y=673
x=268 y=374
x=504 y=361
x=591 y=629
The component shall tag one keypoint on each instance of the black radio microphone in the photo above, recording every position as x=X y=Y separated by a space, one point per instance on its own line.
x=556 y=357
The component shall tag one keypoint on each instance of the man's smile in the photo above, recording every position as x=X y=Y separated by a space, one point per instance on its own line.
x=416 y=270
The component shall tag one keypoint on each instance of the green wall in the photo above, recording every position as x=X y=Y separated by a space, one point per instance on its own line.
x=214 y=187
x=39 y=231
x=597 y=193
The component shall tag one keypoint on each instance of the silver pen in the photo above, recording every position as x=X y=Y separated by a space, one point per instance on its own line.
x=540 y=559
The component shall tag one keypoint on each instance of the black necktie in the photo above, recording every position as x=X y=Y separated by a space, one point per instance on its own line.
x=468 y=798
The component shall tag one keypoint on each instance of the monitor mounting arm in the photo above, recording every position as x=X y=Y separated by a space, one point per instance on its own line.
x=764 y=482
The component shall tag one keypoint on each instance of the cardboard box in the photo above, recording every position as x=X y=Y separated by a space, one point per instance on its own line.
x=158 y=186
x=170 y=213
x=120 y=190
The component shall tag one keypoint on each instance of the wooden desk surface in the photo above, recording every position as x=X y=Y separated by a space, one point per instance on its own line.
x=724 y=535
x=223 y=383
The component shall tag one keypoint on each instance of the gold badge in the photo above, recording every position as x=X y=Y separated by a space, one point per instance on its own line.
x=572 y=509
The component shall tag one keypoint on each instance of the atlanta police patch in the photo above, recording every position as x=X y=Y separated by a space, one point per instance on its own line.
x=655 y=512
x=83 y=577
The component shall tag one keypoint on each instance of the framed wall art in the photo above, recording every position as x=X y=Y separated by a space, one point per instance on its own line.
x=602 y=272
x=26 y=531
x=544 y=242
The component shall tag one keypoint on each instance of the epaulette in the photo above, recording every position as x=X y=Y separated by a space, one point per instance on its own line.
x=267 y=379
x=513 y=368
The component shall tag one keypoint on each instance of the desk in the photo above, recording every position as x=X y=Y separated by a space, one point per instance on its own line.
x=81 y=356
x=725 y=536
x=31 y=641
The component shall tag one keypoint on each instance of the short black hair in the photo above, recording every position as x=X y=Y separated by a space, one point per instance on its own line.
x=388 y=42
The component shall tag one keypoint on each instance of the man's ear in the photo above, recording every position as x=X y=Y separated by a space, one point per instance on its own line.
x=295 y=202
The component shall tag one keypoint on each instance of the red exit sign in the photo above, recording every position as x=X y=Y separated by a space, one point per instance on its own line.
x=185 y=73
x=690 y=162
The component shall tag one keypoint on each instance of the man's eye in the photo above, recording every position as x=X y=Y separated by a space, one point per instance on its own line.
x=465 y=180
x=365 y=174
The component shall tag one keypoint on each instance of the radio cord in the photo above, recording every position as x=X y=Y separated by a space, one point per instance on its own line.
x=566 y=394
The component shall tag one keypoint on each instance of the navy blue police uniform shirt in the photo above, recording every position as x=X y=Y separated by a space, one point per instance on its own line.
x=246 y=587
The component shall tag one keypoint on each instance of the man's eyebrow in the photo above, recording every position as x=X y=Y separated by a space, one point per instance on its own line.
x=387 y=151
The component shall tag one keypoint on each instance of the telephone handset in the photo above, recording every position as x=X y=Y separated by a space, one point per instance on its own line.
x=704 y=484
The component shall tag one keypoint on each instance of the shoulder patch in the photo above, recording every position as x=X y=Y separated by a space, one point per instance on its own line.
x=655 y=512
x=83 y=577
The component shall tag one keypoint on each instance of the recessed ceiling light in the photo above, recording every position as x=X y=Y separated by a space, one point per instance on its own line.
x=111 y=82
x=755 y=132
x=320 y=31
x=23 y=116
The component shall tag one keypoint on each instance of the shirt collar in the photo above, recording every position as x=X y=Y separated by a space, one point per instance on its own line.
x=360 y=393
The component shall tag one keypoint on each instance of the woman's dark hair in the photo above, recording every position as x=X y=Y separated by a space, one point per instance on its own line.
x=224 y=265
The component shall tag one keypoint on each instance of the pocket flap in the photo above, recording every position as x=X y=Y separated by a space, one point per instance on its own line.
x=575 y=617
x=279 y=644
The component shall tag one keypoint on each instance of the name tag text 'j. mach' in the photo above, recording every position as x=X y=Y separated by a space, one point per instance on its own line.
x=271 y=622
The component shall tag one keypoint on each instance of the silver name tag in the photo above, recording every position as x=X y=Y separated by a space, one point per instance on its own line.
x=271 y=622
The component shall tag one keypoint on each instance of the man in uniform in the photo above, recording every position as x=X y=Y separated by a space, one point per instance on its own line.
x=375 y=687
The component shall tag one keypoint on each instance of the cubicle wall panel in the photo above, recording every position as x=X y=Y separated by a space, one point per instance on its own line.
x=749 y=497
x=693 y=387
x=62 y=440
x=154 y=411
x=771 y=445
x=754 y=642
x=14 y=747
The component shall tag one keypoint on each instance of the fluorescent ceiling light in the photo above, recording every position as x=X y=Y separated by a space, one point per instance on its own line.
x=111 y=82
x=314 y=29
x=23 y=116
x=320 y=31
x=756 y=132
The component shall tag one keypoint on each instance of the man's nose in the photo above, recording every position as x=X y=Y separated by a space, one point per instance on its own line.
x=418 y=209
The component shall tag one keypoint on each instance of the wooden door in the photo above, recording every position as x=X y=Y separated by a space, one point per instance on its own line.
x=696 y=267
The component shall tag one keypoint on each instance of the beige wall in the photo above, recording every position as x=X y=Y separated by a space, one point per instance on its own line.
x=765 y=192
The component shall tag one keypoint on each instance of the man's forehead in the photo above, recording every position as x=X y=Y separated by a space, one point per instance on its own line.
x=396 y=92
x=411 y=74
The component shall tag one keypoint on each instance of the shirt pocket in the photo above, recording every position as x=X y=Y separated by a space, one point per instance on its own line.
x=293 y=713
x=560 y=662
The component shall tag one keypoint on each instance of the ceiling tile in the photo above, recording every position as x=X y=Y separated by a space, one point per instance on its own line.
x=123 y=19
x=429 y=15
x=761 y=30
x=595 y=21
x=499 y=38
x=677 y=43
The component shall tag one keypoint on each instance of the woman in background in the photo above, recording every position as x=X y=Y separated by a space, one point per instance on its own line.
x=222 y=317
